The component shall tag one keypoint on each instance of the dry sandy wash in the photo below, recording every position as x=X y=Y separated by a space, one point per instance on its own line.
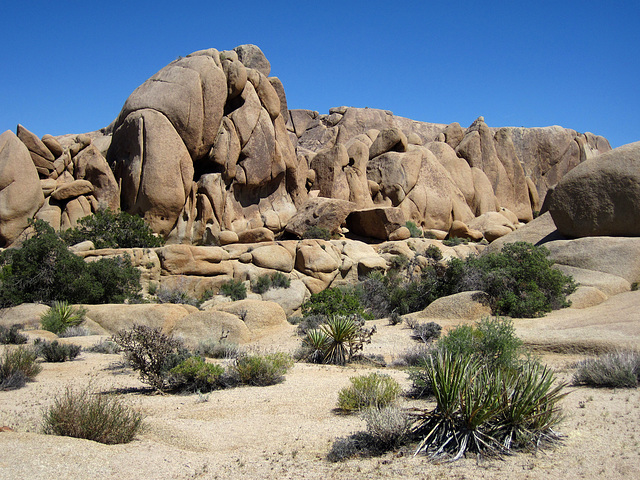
x=285 y=431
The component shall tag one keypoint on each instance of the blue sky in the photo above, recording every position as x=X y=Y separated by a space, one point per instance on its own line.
x=67 y=67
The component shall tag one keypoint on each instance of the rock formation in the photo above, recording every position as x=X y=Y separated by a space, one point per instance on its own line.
x=208 y=153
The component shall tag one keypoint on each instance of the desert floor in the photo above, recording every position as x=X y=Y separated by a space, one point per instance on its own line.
x=285 y=431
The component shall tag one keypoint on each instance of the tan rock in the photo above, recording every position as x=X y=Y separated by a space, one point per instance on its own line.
x=52 y=145
x=327 y=213
x=273 y=257
x=90 y=165
x=472 y=305
x=461 y=230
x=389 y=139
x=211 y=325
x=312 y=258
x=192 y=260
x=260 y=317
x=115 y=317
x=72 y=190
x=401 y=233
x=607 y=283
x=236 y=77
x=51 y=213
x=227 y=237
x=585 y=297
x=256 y=235
x=26 y=314
x=367 y=265
x=331 y=179
x=251 y=56
x=290 y=299
x=20 y=192
x=377 y=222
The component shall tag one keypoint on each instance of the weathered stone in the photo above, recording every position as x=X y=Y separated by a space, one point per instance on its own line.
x=388 y=140
x=261 y=318
x=326 y=213
x=52 y=145
x=377 y=222
x=20 y=192
x=72 y=190
x=472 y=305
x=116 y=317
x=256 y=235
x=493 y=225
x=273 y=257
x=290 y=299
x=401 y=233
x=39 y=152
x=331 y=179
x=90 y=165
x=192 y=260
x=251 y=56
x=227 y=237
x=600 y=196
x=461 y=230
x=211 y=325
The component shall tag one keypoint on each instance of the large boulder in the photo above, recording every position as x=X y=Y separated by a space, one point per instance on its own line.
x=320 y=212
x=378 y=222
x=20 y=192
x=600 y=196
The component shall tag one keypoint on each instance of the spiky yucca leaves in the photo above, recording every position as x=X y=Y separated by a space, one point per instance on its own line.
x=316 y=341
x=487 y=411
x=61 y=316
x=340 y=332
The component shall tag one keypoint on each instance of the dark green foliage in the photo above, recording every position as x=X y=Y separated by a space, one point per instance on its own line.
x=92 y=416
x=317 y=232
x=262 y=284
x=426 y=332
x=337 y=340
x=368 y=391
x=11 y=336
x=434 y=253
x=44 y=270
x=612 y=370
x=62 y=316
x=196 y=375
x=234 y=289
x=151 y=352
x=414 y=230
x=56 y=352
x=17 y=366
x=453 y=241
x=280 y=280
x=486 y=410
x=519 y=280
x=334 y=301
x=107 y=229
x=260 y=370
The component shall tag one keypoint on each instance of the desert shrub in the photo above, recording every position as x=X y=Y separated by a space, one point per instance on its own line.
x=415 y=355
x=17 y=366
x=234 y=289
x=62 y=316
x=153 y=288
x=56 y=352
x=310 y=322
x=317 y=232
x=151 y=353
x=218 y=349
x=454 y=241
x=519 y=280
x=92 y=416
x=398 y=262
x=374 y=295
x=338 y=340
x=107 y=229
x=334 y=301
x=262 y=284
x=368 y=391
x=175 y=295
x=11 y=335
x=105 y=346
x=433 y=252
x=196 y=375
x=260 y=370
x=78 y=331
x=388 y=426
x=613 y=370
x=44 y=270
x=280 y=280
x=486 y=410
x=356 y=445
x=395 y=318
x=426 y=332
x=414 y=230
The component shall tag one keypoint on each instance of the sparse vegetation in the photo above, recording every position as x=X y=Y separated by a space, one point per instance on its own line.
x=426 y=332
x=11 y=335
x=612 y=370
x=17 y=366
x=414 y=230
x=317 y=232
x=92 y=416
x=338 y=340
x=107 y=229
x=260 y=370
x=368 y=391
x=268 y=281
x=151 y=353
x=234 y=289
x=334 y=301
x=218 y=349
x=56 y=352
x=105 y=346
x=195 y=374
x=175 y=295
x=62 y=316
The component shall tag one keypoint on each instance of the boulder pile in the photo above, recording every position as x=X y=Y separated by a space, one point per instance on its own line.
x=208 y=153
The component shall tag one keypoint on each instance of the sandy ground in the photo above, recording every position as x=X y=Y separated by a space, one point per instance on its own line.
x=284 y=431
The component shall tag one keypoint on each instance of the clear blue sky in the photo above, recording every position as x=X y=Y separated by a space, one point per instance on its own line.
x=67 y=67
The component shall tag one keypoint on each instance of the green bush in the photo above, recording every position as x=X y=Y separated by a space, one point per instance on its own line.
x=260 y=370
x=317 y=232
x=196 y=375
x=107 y=229
x=613 y=370
x=262 y=284
x=426 y=332
x=414 y=230
x=56 y=352
x=151 y=352
x=62 y=316
x=487 y=411
x=368 y=391
x=11 y=336
x=338 y=340
x=234 y=289
x=17 y=366
x=280 y=280
x=334 y=301
x=92 y=416
x=434 y=253
x=44 y=270
x=218 y=349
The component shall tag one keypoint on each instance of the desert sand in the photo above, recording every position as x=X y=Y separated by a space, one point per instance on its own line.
x=284 y=431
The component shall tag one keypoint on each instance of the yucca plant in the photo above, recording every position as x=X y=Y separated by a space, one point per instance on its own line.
x=340 y=332
x=61 y=316
x=316 y=342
